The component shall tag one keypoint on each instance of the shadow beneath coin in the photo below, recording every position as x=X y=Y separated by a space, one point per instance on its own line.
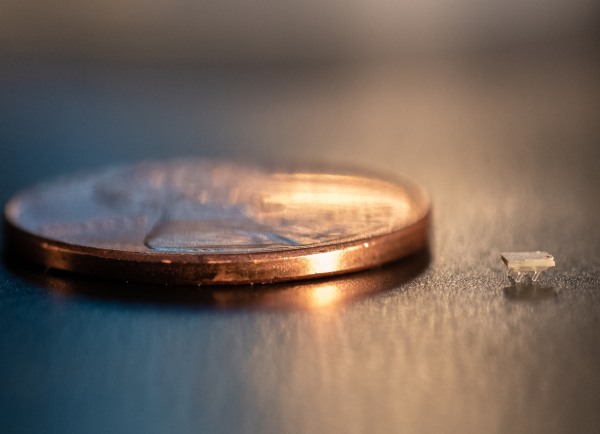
x=297 y=295
x=530 y=292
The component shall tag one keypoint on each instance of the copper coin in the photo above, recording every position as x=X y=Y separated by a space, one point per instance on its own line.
x=205 y=222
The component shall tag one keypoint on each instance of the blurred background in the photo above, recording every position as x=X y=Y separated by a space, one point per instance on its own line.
x=493 y=105
x=185 y=31
x=94 y=83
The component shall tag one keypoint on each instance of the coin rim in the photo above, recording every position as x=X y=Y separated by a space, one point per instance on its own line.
x=222 y=268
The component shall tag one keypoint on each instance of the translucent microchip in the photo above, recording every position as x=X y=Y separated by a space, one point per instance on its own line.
x=522 y=263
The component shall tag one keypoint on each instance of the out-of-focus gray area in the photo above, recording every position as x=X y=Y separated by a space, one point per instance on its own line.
x=504 y=131
x=274 y=30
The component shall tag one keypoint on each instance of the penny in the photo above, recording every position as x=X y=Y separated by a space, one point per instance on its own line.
x=205 y=222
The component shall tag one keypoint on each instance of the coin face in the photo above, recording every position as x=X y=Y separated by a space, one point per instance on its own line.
x=194 y=222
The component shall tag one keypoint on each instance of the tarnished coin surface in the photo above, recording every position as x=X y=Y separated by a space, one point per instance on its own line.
x=198 y=221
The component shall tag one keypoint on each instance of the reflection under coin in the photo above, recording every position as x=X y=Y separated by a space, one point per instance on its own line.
x=304 y=295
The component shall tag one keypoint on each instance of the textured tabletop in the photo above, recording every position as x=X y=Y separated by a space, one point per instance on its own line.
x=508 y=145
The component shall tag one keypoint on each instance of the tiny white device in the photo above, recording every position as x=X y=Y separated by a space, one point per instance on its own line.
x=523 y=263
